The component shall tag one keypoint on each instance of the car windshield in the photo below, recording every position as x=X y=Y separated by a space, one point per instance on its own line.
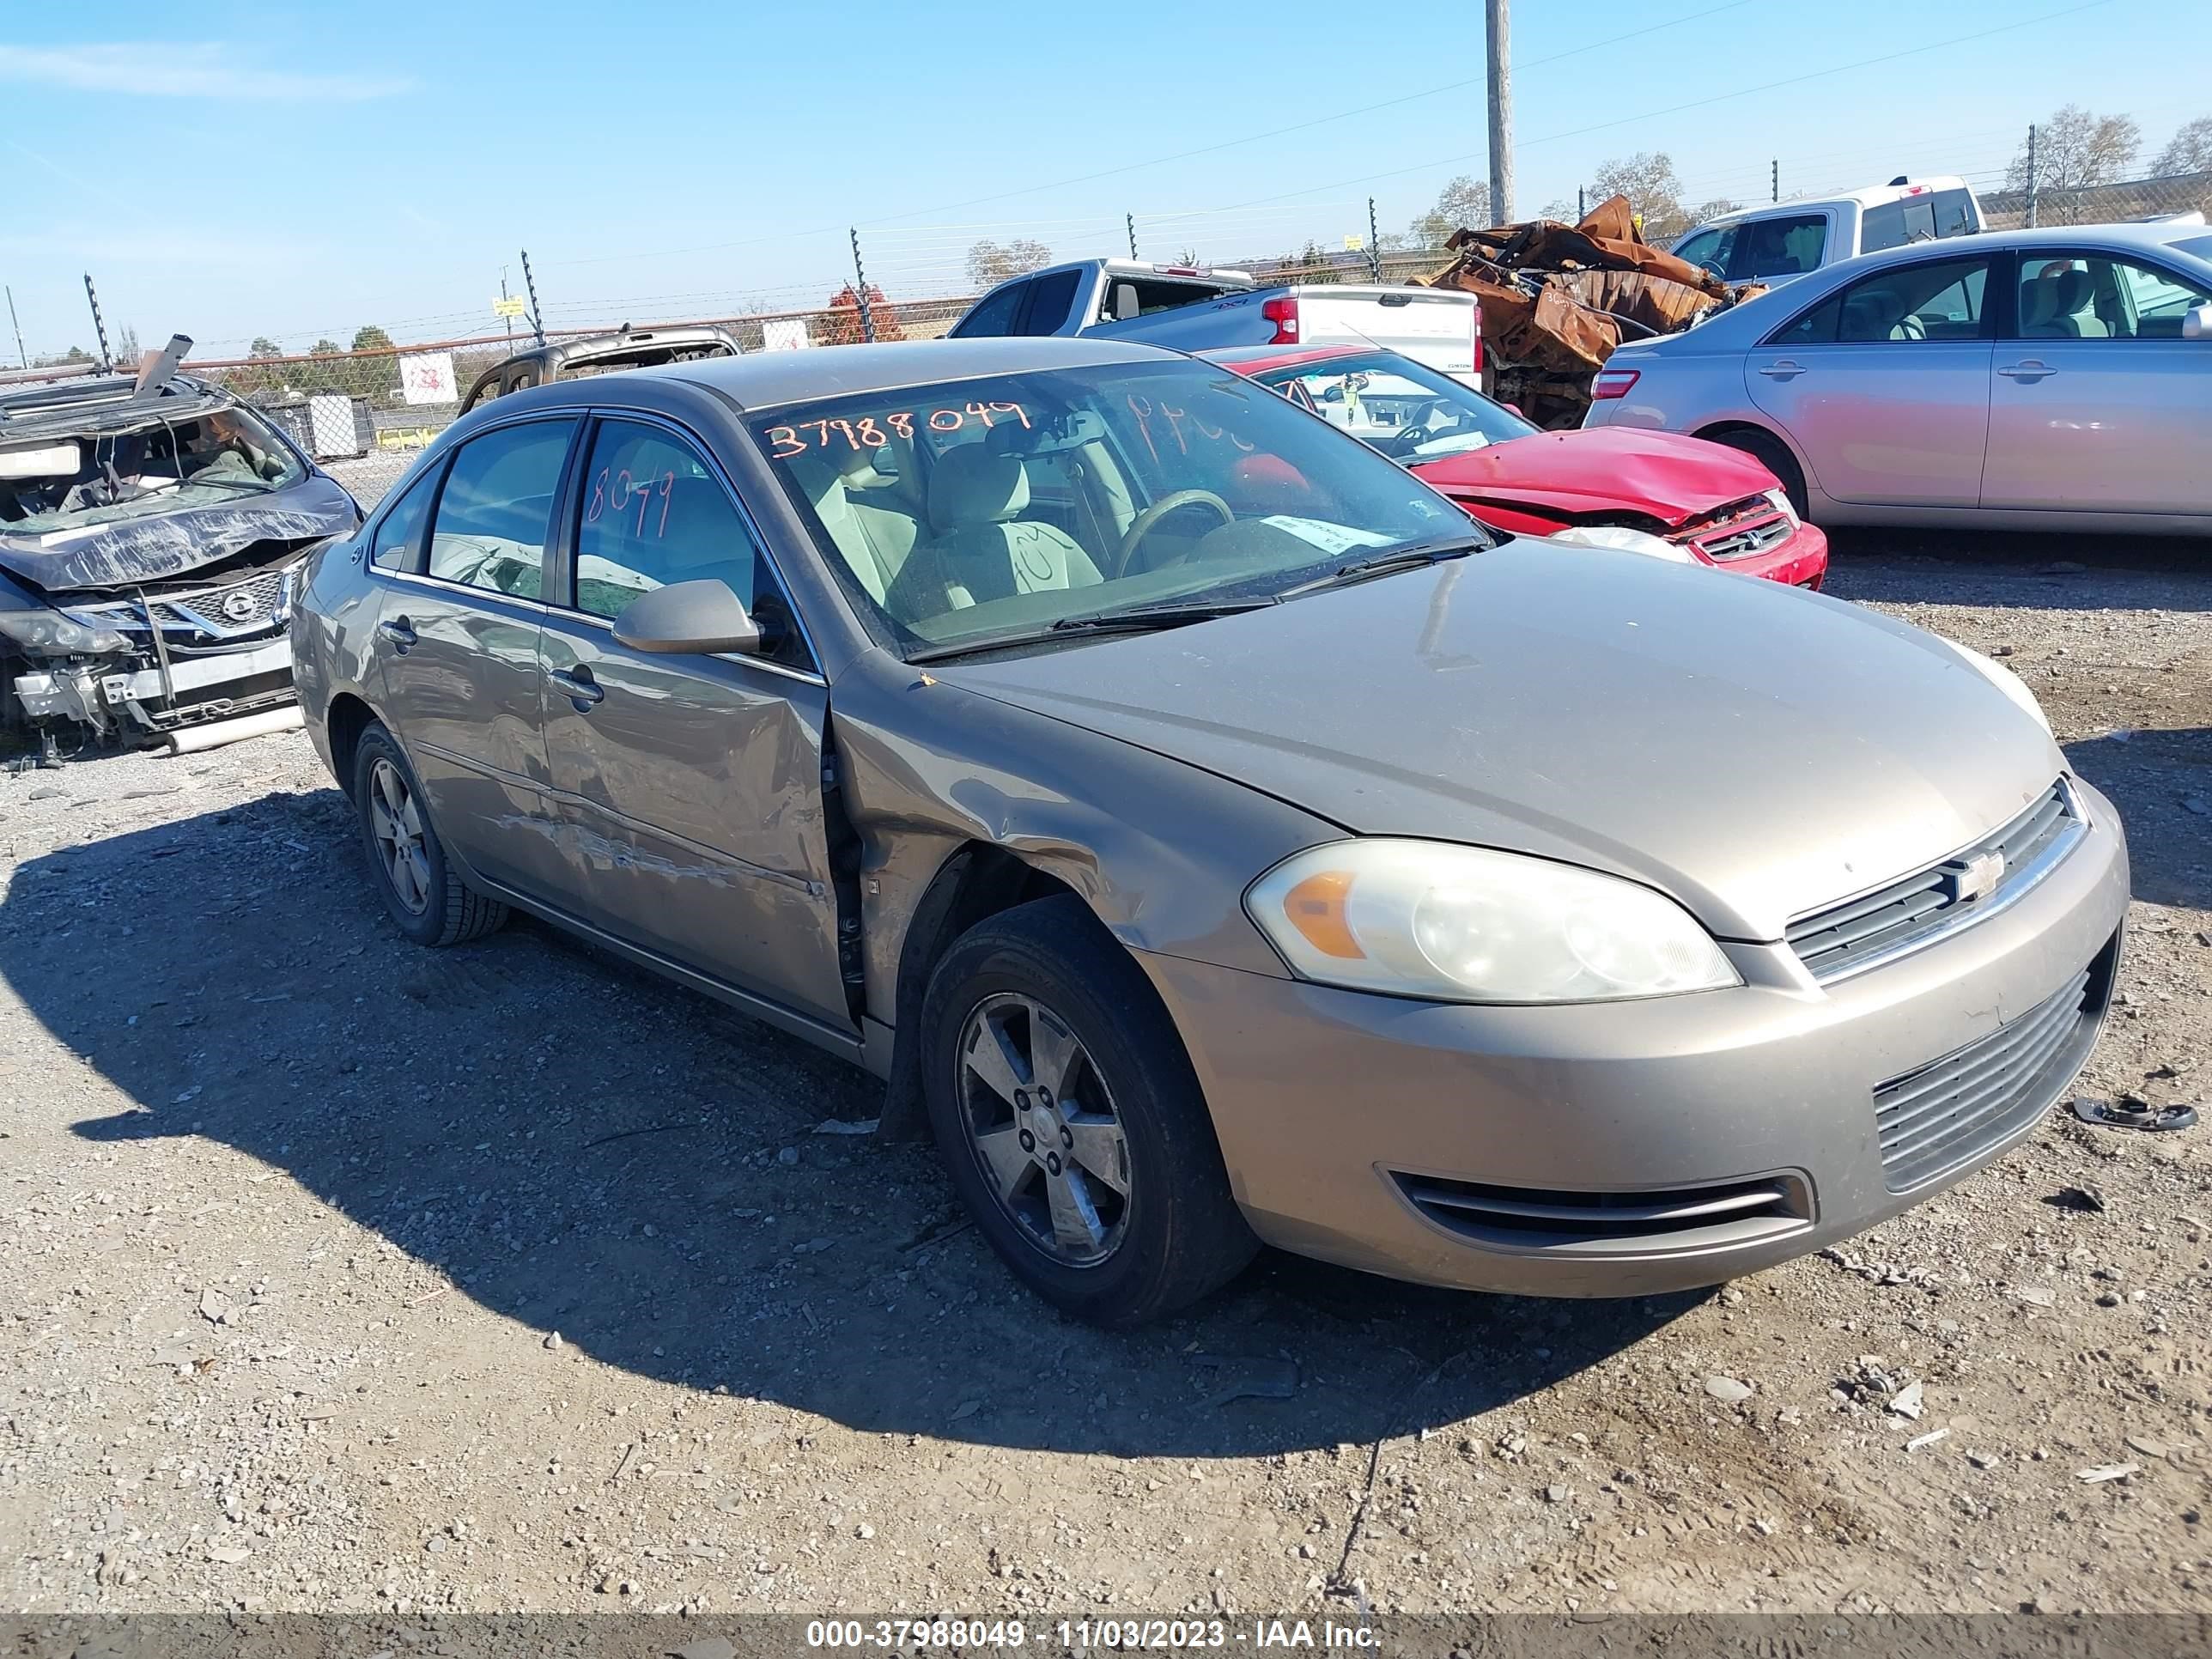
x=990 y=509
x=1408 y=411
x=168 y=466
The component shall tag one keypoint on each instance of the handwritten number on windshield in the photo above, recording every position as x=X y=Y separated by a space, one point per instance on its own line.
x=867 y=432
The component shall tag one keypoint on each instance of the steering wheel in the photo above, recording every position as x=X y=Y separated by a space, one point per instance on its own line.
x=1149 y=519
x=1412 y=434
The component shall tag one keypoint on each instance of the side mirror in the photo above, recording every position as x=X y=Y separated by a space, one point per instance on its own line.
x=694 y=618
x=2197 y=323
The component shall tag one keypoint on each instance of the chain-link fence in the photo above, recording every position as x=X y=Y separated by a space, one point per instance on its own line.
x=2130 y=200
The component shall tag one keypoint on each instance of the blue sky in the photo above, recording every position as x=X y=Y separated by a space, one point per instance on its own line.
x=232 y=171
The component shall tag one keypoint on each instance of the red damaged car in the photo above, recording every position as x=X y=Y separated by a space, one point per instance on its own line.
x=1650 y=492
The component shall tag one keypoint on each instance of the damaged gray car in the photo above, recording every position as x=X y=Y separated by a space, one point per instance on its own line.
x=149 y=530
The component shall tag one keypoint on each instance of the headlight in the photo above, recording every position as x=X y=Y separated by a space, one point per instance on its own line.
x=1624 y=540
x=1778 y=499
x=2005 y=681
x=1465 y=924
x=47 y=633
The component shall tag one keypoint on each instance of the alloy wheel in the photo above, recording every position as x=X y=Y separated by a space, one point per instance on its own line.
x=397 y=824
x=1042 y=1125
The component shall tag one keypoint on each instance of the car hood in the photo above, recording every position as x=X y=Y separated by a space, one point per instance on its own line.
x=1673 y=478
x=132 y=551
x=1754 y=749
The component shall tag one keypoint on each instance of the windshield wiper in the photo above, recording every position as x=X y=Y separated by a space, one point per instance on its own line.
x=1137 y=619
x=1389 y=561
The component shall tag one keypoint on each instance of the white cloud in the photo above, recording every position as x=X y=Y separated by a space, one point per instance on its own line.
x=159 y=69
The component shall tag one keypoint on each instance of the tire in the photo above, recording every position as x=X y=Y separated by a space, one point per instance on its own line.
x=1771 y=453
x=1173 y=1232
x=433 y=906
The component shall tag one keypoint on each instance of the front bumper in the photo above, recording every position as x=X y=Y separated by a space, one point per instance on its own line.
x=1801 y=561
x=106 y=693
x=1336 y=1110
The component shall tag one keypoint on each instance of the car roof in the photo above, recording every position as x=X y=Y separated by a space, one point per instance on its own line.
x=1867 y=197
x=761 y=379
x=2059 y=238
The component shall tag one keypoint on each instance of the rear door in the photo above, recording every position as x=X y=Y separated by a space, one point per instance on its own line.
x=1431 y=325
x=2096 y=402
x=1884 y=386
x=457 y=648
x=689 y=788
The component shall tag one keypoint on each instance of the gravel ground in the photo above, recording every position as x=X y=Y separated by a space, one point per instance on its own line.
x=343 y=1275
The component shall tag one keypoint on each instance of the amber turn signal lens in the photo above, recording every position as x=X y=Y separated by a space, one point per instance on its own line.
x=1316 y=906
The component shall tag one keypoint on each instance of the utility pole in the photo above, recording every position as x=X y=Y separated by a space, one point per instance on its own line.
x=1501 y=114
x=18 y=328
x=2033 y=182
x=504 y=317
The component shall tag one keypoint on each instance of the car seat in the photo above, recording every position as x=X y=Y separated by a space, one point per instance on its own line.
x=981 y=548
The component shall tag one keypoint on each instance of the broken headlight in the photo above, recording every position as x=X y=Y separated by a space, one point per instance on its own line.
x=41 y=631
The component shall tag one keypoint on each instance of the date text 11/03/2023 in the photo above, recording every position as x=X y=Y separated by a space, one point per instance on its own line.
x=1121 y=1634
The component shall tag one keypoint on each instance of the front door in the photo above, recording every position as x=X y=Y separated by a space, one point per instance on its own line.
x=690 y=787
x=1885 y=386
x=456 y=645
x=2096 y=402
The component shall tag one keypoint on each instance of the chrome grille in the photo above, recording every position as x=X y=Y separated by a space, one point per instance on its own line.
x=1914 y=910
x=1945 y=1112
x=219 y=614
x=1737 y=531
x=1532 y=1218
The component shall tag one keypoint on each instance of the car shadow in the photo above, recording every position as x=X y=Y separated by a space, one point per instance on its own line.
x=2160 y=778
x=2033 y=570
x=579 y=1147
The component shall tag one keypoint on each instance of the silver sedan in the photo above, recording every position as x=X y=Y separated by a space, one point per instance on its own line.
x=2055 y=379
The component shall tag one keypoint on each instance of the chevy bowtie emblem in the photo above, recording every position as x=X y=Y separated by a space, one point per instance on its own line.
x=1974 y=877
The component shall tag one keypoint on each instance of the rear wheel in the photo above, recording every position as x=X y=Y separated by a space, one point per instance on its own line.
x=1071 y=1121
x=426 y=896
x=1772 y=453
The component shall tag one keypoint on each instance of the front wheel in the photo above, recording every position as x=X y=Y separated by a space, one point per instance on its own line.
x=1773 y=454
x=1071 y=1121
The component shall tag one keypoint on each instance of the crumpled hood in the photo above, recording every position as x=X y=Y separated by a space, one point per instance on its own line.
x=1754 y=749
x=162 y=545
x=1673 y=478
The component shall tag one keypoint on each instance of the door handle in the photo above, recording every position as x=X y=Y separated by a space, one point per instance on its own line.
x=578 y=686
x=2030 y=370
x=399 y=631
x=1781 y=371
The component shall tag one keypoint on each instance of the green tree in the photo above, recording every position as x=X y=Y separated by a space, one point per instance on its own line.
x=376 y=367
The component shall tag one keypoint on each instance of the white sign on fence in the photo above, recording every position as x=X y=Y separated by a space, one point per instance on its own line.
x=428 y=378
x=783 y=334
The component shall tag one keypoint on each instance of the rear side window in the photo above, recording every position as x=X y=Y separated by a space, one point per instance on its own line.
x=1786 y=246
x=1050 y=299
x=493 y=513
x=995 y=312
x=398 y=544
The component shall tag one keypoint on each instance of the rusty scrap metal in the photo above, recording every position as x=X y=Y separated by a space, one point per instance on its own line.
x=1556 y=298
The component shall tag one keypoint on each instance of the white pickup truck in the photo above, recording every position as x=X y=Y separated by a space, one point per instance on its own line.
x=1193 y=309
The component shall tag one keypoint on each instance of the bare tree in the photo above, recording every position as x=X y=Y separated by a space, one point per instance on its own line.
x=992 y=262
x=2189 y=150
x=2075 y=149
x=1462 y=204
x=1653 y=188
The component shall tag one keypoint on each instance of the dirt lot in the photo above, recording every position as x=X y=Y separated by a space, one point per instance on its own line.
x=292 y=1212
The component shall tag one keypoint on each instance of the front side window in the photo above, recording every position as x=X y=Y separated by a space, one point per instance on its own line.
x=1941 y=301
x=1058 y=494
x=2103 y=297
x=649 y=514
x=1409 y=412
x=1050 y=297
x=1785 y=247
x=493 y=513
x=1708 y=248
x=399 y=542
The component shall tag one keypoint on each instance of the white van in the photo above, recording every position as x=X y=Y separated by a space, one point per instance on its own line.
x=1772 y=245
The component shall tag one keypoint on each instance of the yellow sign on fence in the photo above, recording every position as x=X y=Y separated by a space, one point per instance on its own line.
x=506 y=308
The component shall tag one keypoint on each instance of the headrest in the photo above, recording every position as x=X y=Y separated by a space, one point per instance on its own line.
x=2073 y=287
x=858 y=468
x=971 y=486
